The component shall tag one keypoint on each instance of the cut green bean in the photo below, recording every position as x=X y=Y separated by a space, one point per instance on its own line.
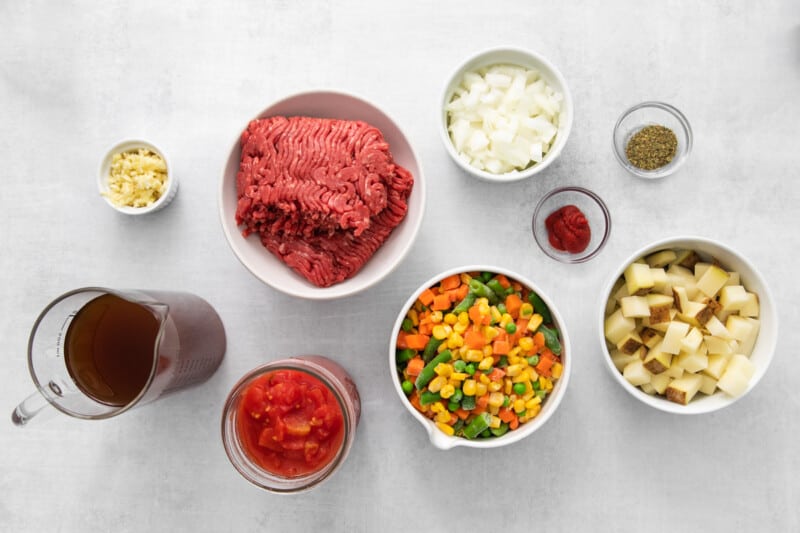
x=407 y=325
x=499 y=432
x=551 y=339
x=468 y=403
x=404 y=356
x=540 y=307
x=428 y=373
x=498 y=289
x=427 y=397
x=431 y=348
x=480 y=288
x=464 y=305
x=478 y=425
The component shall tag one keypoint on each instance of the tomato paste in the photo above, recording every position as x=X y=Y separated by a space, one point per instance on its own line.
x=568 y=230
x=290 y=423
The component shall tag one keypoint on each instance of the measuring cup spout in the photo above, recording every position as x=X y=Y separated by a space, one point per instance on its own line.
x=29 y=407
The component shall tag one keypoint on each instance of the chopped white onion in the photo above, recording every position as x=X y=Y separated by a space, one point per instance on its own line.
x=503 y=118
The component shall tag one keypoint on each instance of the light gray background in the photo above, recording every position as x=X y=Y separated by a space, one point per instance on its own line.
x=76 y=77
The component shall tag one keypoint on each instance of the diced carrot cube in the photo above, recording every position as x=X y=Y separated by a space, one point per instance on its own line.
x=426 y=297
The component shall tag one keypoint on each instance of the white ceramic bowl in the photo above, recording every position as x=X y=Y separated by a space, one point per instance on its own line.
x=523 y=58
x=436 y=436
x=271 y=270
x=752 y=280
x=133 y=144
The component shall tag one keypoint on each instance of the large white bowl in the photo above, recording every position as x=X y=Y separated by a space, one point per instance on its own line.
x=436 y=436
x=752 y=280
x=517 y=57
x=270 y=269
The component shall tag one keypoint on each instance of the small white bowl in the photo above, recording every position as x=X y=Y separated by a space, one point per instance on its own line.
x=752 y=280
x=436 y=436
x=518 y=57
x=270 y=269
x=133 y=144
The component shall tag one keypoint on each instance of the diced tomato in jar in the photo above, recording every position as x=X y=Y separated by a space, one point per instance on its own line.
x=290 y=423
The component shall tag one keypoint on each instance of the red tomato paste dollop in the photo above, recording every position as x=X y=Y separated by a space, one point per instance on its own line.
x=568 y=230
x=290 y=423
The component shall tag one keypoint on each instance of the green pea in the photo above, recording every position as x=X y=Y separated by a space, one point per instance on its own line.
x=519 y=388
x=533 y=360
x=408 y=387
x=503 y=361
x=453 y=406
x=460 y=365
x=470 y=369
x=511 y=328
x=541 y=394
x=486 y=276
x=506 y=401
x=404 y=356
x=536 y=385
x=457 y=396
x=502 y=308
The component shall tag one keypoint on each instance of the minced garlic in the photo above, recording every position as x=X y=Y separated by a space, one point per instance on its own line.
x=137 y=178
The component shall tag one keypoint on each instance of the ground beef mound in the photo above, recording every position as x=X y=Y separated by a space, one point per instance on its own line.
x=322 y=194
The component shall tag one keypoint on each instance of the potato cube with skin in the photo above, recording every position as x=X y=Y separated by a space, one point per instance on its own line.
x=680 y=299
x=693 y=362
x=710 y=308
x=638 y=278
x=650 y=337
x=691 y=312
x=657 y=360
x=617 y=326
x=692 y=341
x=634 y=306
x=732 y=297
x=708 y=386
x=621 y=360
x=751 y=307
x=661 y=381
x=687 y=258
x=660 y=306
x=673 y=337
x=630 y=343
x=712 y=280
x=661 y=258
x=636 y=374
x=683 y=389
x=717 y=362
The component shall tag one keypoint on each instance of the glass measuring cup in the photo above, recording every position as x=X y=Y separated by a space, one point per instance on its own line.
x=94 y=353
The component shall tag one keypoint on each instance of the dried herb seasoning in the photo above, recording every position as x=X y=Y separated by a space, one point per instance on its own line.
x=652 y=147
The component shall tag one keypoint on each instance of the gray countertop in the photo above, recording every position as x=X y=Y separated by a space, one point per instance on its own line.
x=75 y=77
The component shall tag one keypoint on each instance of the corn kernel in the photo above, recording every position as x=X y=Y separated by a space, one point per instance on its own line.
x=486 y=363
x=508 y=386
x=494 y=386
x=519 y=405
x=523 y=363
x=496 y=316
x=447 y=391
x=513 y=370
x=533 y=374
x=506 y=319
x=535 y=321
x=522 y=377
x=460 y=327
x=488 y=350
x=446 y=429
x=437 y=383
x=463 y=318
x=490 y=333
x=495 y=422
x=414 y=316
x=443 y=369
x=525 y=310
x=557 y=370
x=469 y=387
x=437 y=407
x=545 y=383
x=474 y=356
x=514 y=352
x=496 y=399
x=493 y=410
x=436 y=317
x=462 y=352
x=455 y=340
x=526 y=344
x=439 y=332
x=458 y=376
x=480 y=389
x=450 y=319
x=528 y=393
x=533 y=411
x=484 y=379
x=532 y=402
x=465 y=278
x=443 y=417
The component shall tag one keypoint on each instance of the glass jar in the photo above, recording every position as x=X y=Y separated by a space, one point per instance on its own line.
x=343 y=389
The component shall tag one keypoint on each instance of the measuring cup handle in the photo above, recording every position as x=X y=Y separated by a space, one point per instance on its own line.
x=28 y=409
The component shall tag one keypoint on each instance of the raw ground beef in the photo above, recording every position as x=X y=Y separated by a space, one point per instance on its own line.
x=322 y=194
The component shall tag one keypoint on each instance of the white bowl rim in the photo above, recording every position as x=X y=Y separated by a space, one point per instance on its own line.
x=445 y=442
x=335 y=291
x=124 y=145
x=766 y=342
x=563 y=130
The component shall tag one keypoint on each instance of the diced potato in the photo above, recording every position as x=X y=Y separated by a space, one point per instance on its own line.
x=622 y=291
x=673 y=337
x=636 y=373
x=661 y=381
x=675 y=370
x=648 y=388
x=692 y=341
x=712 y=280
x=683 y=389
x=746 y=345
x=660 y=306
x=693 y=362
x=661 y=281
x=650 y=337
x=634 y=306
x=630 y=343
x=691 y=312
x=680 y=299
x=657 y=361
x=717 y=328
x=621 y=360
x=617 y=326
x=717 y=362
x=737 y=375
x=700 y=268
x=733 y=279
x=732 y=297
x=687 y=258
x=638 y=278
x=751 y=307
x=710 y=308
x=717 y=345
x=708 y=385
x=661 y=259
x=739 y=328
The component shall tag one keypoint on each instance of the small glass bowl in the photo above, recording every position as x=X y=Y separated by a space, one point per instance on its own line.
x=343 y=388
x=648 y=114
x=593 y=208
